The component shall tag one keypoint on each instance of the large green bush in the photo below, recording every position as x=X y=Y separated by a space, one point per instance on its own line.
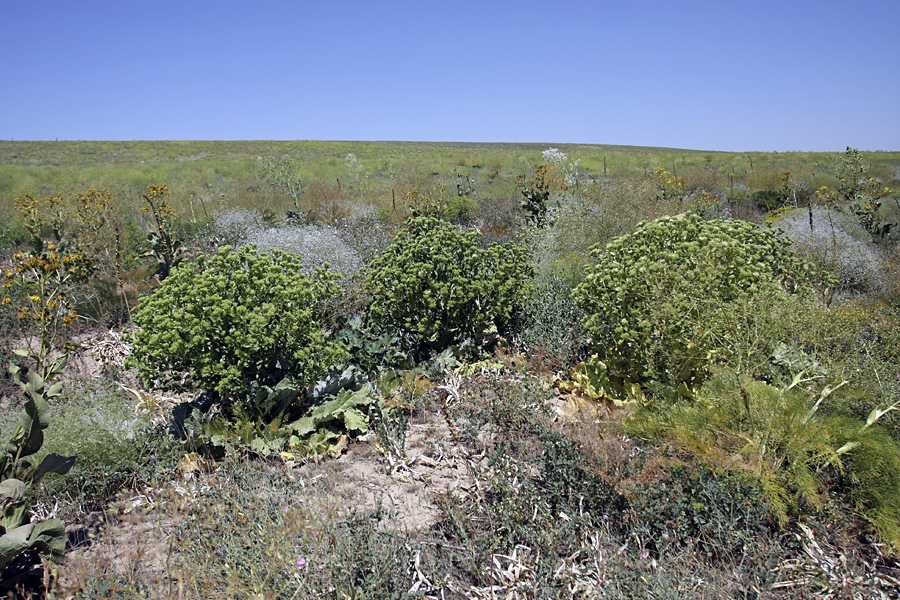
x=661 y=301
x=434 y=281
x=234 y=322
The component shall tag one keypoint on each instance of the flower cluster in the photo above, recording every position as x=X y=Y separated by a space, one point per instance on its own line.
x=37 y=288
x=670 y=186
x=423 y=205
x=702 y=201
x=156 y=200
x=558 y=159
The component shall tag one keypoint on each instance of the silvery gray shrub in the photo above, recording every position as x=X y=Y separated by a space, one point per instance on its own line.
x=836 y=241
x=346 y=244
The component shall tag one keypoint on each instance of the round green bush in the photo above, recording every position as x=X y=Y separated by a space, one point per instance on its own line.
x=234 y=322
x=660 y=301
x=434 y=281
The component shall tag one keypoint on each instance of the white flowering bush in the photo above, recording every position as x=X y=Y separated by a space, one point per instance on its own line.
x=230 y=227
x=558 y=159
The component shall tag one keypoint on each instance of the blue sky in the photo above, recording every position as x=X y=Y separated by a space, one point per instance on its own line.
x=739 y=76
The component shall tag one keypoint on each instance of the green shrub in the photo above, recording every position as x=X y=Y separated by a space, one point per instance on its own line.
x=233 y=323
x=551 y=321
x=715 y=511
x=653 y=296
x=434 y=282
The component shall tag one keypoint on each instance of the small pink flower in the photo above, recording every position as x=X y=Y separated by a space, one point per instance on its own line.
x=301 y=562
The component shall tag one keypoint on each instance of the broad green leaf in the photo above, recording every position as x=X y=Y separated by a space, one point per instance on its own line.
x=12 y=490
x=50 y=533
x=354 y=420
x=53 y=463
x=303 y=426
x=14 y=543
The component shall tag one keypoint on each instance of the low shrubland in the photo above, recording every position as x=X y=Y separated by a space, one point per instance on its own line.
x=595 y=384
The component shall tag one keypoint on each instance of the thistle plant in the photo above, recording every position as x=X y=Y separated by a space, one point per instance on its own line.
x=44 y=281
x=43 y=276
x=858 y=191
x=434 y=204
x=670 y=186
x=703 y=202
x=38 y=283
x=41 y=218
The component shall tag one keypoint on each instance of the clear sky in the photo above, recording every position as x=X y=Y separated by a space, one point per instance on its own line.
x=719 y=75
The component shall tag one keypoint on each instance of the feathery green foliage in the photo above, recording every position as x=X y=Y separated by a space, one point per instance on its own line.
x=797 y=452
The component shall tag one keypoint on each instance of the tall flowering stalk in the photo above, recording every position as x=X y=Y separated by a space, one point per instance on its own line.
x=37 y=282
x=44 y=280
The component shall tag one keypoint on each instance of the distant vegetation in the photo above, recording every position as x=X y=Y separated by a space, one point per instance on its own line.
x=651 y=372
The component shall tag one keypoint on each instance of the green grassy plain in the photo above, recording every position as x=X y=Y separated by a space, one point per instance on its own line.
x=202 y=174
x=48 y=167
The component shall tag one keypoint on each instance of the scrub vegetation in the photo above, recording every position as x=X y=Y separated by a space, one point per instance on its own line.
x=409 y=370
